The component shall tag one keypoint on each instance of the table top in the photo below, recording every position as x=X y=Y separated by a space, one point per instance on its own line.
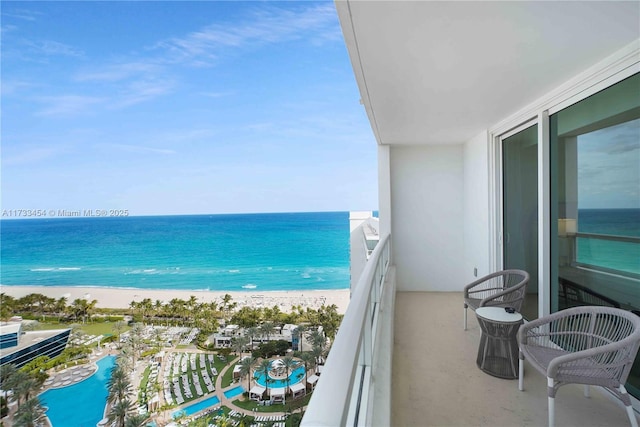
x=497 y=314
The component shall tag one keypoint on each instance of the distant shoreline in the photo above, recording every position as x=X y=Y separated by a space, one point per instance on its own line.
x=112 y=297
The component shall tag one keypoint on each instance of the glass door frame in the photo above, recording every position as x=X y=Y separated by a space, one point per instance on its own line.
x=496 y=214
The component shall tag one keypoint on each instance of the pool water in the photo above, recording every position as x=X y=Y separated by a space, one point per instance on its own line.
x=81 y=404
x=294 y=377
x=197 y=407
x=233 y=392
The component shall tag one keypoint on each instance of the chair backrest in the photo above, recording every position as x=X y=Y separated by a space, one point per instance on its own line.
x=588 y=327
x=516 y=280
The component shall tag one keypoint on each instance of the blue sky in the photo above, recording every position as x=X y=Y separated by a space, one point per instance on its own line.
x=181 y=107
x=608 y=165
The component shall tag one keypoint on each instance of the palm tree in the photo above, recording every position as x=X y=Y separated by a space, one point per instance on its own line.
x=118 y=327
x=7 y=305
x=246 y=365
x=145 y=306
x=300 y=331
x=266 y=329
x=124 y=359
x=7 y=374
x=251 y=332
x=119 y=412
x=44 y=304
x=289 y=364
x=157 y=336
x=60 y=306
x=158 y=307
x=136 y=342
x=238 y=344
x=137 y=420
x=119 y=384
x=79 y=308
x=29 y=414
x=176 y=308
x=91 y=306
x=330 y=320
x=317 y=353
x=24 y=387
x=8 y=379
x=318 y=339
x=309 y=362
x=263 y=368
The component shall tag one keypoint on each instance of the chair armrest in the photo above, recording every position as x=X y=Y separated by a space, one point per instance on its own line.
x=481 y=280
x=497 y=295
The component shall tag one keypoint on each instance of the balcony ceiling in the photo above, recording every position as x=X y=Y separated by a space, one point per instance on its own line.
x=440 y=72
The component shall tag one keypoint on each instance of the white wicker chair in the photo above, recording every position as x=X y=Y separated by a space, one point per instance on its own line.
x=504 y=288
x=587 y=345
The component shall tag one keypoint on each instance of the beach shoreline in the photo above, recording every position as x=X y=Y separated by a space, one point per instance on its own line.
x=111 y=297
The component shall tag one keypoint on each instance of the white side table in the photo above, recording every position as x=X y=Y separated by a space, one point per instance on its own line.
x=498 y=351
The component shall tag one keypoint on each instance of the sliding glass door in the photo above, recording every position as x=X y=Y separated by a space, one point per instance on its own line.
x=520 y=210
x=595 y=203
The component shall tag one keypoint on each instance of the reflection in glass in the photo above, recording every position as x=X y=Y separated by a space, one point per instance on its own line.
x=595 y=203
x=520 y=212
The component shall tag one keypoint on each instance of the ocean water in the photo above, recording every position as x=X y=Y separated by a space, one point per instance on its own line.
x=250 y=252
x=615 y=255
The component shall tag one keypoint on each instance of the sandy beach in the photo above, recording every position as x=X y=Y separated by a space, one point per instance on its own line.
x=121 y=298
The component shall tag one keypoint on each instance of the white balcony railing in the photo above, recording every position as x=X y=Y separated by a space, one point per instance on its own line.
x=347 y=393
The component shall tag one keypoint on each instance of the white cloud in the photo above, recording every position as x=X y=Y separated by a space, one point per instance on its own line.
x=266 y=25
x=12 y=87
x=68 y=105
x=141 y=149
x=141 y=91
x=119 y=71
x=53 y=48
x=28 y=156
x=24 y=14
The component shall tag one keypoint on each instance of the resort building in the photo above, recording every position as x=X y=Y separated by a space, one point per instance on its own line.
x=19 y=348
x=503 y=130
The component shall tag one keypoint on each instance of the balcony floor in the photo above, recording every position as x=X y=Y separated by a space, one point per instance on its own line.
x=436 y=381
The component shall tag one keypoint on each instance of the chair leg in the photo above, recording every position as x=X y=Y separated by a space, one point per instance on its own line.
x=521 y=373
x=627 y=402
x=551 y=399
x=465 y=317
x=587 y=390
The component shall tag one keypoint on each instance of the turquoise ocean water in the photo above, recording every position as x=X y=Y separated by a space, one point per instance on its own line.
x=614 y=255
x=248 y=252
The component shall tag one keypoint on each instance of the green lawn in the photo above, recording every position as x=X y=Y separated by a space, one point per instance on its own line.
x=88 y=328
x=288 y=407
x=227 y=378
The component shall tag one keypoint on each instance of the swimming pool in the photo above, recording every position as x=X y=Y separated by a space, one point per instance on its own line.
x=233 y=392
x=81 y=404
x=294 y=377
x=197 y=407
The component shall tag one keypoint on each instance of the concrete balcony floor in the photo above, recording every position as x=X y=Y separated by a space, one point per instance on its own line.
x=436 y=381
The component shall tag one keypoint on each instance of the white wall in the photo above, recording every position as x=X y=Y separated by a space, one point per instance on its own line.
x=427 y=192
x=476 y=207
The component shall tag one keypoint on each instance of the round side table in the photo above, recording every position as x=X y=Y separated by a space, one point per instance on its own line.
x=498 y=351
